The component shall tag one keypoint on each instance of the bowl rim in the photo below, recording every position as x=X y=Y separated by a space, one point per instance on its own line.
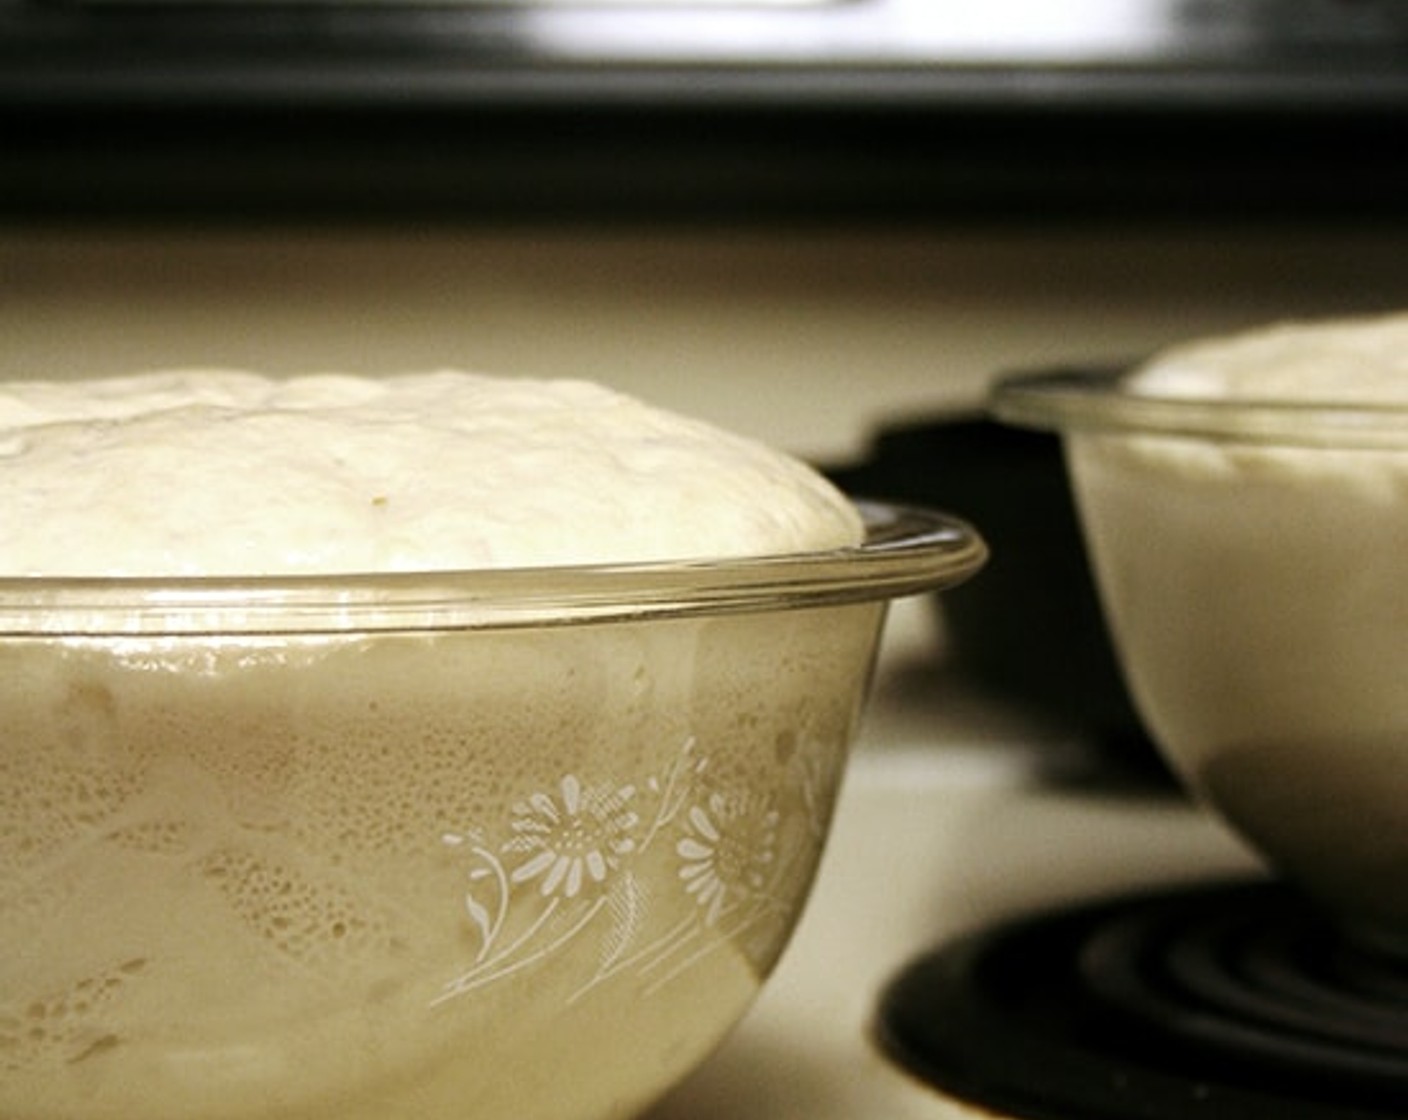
x=907 y=550
x=1101 y=400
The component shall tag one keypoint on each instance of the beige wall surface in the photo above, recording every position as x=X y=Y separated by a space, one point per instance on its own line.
x=806 y=339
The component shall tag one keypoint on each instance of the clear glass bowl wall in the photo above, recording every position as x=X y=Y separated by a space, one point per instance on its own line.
x=455 y=846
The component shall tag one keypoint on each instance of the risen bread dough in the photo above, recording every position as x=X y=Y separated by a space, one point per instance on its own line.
x=1255 y=588
x=188 y=473
x=1360 y=360
x=441 y=873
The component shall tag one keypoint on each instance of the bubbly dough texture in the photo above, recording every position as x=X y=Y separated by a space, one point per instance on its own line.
x=226 y=473
x=1346 y=361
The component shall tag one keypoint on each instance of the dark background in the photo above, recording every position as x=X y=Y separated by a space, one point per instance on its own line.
x=840 y=111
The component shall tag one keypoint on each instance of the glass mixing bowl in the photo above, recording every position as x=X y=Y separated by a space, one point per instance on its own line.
x=1252 y=558
x=473 y=844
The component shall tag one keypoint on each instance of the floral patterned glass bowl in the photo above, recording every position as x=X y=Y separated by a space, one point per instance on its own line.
x=1252 y=559
x=498 y=844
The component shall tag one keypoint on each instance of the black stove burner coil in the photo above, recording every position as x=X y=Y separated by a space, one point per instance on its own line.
x=1231 y=1001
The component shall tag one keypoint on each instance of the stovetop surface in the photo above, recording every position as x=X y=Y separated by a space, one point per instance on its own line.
x=938 y=839
x=1230 y=1000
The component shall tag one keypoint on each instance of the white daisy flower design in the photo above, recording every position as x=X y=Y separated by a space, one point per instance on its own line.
x=727 y=854
x=572 y=842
